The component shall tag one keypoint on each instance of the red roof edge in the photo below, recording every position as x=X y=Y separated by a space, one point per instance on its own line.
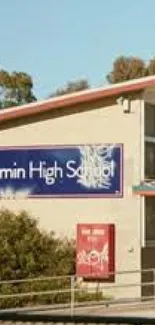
x=76 y=98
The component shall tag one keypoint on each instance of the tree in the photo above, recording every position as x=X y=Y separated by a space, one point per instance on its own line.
x=28 y=252
x=126 y=68
x=16 y=88
x=71 y=87
x=151 y=67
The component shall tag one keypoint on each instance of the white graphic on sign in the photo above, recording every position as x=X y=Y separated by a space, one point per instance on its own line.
x=97 y=166
x=94 y=257
x=9 y=193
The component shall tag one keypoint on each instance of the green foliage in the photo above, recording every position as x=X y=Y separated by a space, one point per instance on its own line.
x=71 y=87
x=28 y=252
x=127 y=68
x=151 y=67
x=15 y=89
x=85 y=296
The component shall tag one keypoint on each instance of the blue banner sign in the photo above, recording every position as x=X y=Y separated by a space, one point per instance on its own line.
x=61 y=171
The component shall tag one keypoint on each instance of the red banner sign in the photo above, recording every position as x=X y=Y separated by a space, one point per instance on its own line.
x=95 y=251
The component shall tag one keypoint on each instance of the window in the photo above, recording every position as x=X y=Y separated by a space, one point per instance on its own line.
x=149 y=120
x=149 y=160
x=150 y=220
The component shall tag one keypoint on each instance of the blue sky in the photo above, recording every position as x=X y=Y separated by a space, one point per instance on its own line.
x=56 y=41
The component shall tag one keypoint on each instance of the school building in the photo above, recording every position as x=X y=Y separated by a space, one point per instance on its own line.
x=84 y=165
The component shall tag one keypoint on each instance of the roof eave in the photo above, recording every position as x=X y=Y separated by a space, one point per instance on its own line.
x=77 y=99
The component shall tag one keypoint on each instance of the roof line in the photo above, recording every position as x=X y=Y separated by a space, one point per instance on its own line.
x=76 y=98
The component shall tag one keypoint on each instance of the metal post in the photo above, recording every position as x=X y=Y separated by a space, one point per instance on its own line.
x=72 y=294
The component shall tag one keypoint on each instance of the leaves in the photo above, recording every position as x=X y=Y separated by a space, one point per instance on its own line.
x=26 y=251
x=126 y=68
x=71 y=87
x=16 y=88
x=151 y=67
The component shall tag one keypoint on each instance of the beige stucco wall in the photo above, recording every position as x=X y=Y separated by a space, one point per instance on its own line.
x=104 y=125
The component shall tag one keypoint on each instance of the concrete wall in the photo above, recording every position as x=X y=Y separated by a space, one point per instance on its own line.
x=103 y=125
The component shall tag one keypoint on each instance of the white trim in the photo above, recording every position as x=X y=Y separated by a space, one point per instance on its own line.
x=142 y=138
x=142 y=170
